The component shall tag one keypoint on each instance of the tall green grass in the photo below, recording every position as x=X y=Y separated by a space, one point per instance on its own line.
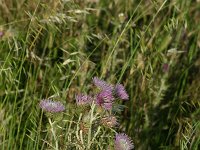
x=53 y=49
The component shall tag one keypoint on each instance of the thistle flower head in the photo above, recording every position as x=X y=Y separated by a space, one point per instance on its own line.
x=121 y=92
x=103 y=85
x=1 y=33
x=165 y=67
x=123 y=142
x=109 y=121
x=105 y=99
x=82 y=99
x=51 y=106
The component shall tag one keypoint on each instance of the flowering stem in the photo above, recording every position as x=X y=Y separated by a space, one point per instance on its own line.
x=90 y=125
x=98 y=130
x=54 y=133
x=79 y=134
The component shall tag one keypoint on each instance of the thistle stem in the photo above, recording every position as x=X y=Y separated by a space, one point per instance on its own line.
x=90 y=125
x=54 y=133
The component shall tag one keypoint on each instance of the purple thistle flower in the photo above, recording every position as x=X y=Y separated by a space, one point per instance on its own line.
x=51 y=106
x=103 y=85
x=82 y=99
x=1 y=33
x=121 y=92
x=123 y=142
x=105 y=99
x=165 y=67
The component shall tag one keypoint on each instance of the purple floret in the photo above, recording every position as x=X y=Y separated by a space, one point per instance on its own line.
x=165 y=67
x=1 y=33
x=105 y=99
x=82 y=99
x=51 y=106
x=103 y=85
x=123 y=142
x=121 y=92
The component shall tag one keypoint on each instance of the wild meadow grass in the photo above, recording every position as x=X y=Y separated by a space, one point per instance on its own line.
x=52 y=52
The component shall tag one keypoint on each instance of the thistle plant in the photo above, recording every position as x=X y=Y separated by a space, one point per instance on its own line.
x=51 y=106
x=94 y=122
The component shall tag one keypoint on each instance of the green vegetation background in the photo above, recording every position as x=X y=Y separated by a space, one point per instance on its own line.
x=54 y=48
